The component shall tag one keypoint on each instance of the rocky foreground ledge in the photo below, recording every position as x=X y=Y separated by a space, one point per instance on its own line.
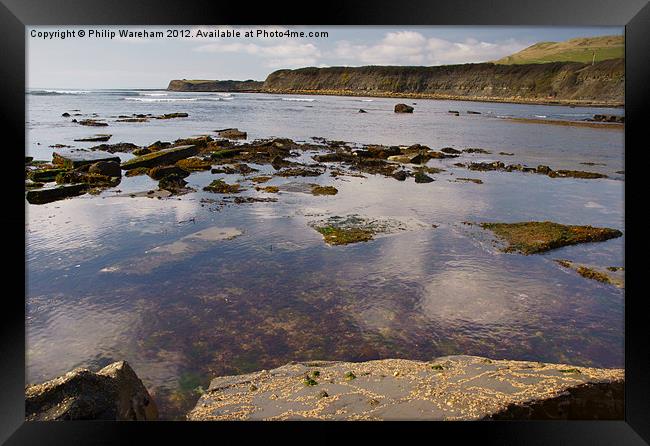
x=113 y=393
x=448 y=388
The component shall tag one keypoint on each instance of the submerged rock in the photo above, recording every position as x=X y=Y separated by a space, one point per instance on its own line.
x=114 y=393
x=403 y=108
x=446 y=388
x=535 y=237
x=324 y=190
x=610 y=275
x=163 y=156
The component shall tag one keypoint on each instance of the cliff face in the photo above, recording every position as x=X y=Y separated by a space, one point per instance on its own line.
x=221 y=86
x=552 y=82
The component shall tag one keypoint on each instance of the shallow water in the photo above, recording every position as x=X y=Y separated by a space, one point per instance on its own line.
x=185 y=290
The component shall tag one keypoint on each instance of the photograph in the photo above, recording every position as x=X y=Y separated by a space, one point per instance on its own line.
x=324 y=223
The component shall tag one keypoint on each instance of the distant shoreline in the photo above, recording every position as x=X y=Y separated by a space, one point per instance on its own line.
x=439 y=97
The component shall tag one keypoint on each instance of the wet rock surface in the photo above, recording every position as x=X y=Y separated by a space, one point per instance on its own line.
x=113 y=393
x=403 y=108
x=160 y=157
x=446 y=388
x=536 y=237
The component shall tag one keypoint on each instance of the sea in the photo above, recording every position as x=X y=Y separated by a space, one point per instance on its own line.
x=186 y=289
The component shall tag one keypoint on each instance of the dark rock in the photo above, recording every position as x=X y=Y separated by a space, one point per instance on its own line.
x=66 y=115
x=403 y=108
x=142 y=151
x=95 y=138
x=47 y=195
x=421 y=177
x=471 y=112
x=172 y=115
x=362 y=111
x=114 y=393
x=44 y=175
x=232 y=134
x=124 y=147
x=450 y=150
x=173 y=183
x=161 y=157
x=475 y=150
x=400 y=175
x=160 y=172
x=107 y=168
x=299 y=172
x=92 y=123
x=608 y=118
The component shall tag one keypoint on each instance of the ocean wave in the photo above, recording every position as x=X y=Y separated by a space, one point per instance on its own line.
x=153 y=94
x=150 y=99
x=57 y=92
x=298 y=99
x=367 y=100
x=540 y=116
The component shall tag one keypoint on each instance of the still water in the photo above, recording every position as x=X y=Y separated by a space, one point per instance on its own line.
x=185 y=290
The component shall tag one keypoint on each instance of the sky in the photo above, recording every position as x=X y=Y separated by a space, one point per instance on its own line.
x=99 y=61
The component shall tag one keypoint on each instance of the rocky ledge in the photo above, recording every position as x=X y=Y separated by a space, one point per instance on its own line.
x=113 y=393
x=447 y=388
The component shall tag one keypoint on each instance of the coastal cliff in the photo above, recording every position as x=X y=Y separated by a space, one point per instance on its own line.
x=558 y=82
x=216 y=86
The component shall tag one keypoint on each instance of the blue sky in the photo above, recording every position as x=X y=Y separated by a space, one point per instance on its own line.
x=150 y=63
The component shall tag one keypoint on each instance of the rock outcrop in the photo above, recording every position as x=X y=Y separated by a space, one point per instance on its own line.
x=113 y=393
x=447 y=388
x=213 y=85
x=558 y=82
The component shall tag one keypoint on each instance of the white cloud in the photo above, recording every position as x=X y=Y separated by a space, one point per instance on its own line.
x=286 y=54
x=412 y=48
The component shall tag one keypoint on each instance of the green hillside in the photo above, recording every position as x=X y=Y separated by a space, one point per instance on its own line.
x=573 y=50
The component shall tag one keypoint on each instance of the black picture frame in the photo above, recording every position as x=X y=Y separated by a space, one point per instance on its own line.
x=15 y=15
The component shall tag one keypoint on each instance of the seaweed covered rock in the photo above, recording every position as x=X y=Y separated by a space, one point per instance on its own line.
x=125 y=147
x=324 y=190
x=194 y=163
x=107 y=168
x=160 y=172
x=161 y=157
x=221 y=187
x=76 y=159
x=536 y=237
x=114 y=393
